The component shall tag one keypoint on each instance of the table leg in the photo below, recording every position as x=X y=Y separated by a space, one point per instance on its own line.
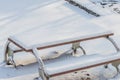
x=42 y=73
x=114 y=43
x=8 y=55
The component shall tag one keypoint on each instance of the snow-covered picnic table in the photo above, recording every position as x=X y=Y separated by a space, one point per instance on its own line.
x=56 y=35
x=60 y=26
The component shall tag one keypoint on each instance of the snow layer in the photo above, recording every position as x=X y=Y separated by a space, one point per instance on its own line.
x=93 y=7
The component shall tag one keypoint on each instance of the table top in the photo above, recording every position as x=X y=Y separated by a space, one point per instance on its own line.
x=53 y=35
x=62 y=26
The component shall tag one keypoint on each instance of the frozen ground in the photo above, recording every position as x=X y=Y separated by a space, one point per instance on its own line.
x=112 y=5
x=23 y=15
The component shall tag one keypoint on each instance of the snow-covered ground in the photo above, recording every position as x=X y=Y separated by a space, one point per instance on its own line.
x=111 y=5
x=23 y=15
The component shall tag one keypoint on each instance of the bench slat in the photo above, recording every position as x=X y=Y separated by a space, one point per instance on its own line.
x=65 y=64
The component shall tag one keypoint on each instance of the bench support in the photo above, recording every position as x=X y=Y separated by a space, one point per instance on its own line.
x=42 y=72
x=6 y=51
x=75 y=46
x=8 y=58
x=114 y=43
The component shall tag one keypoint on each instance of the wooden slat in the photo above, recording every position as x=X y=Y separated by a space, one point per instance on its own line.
x=82 y=68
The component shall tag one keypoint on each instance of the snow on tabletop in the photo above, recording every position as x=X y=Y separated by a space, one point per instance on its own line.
x=58 y=34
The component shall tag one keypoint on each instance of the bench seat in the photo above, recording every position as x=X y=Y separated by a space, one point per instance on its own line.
x=68 y=63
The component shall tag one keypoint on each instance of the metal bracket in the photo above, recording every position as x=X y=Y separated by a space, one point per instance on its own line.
x=6 y=51
x=8 y=55
x=75 y=46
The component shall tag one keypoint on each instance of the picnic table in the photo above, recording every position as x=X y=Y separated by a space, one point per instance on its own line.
x=50 y=36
